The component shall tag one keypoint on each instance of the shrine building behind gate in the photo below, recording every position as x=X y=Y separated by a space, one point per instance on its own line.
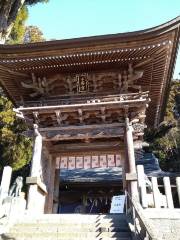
x=87 y=102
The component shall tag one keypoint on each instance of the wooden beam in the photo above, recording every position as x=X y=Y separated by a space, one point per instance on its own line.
x=94 y=131
x=91 y=146
x=82 y=127
x=87 y=106
x=94 y=134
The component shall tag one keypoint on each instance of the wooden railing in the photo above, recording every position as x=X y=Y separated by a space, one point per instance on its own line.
x=89 y=98
x=157 y=192
x=142 y=227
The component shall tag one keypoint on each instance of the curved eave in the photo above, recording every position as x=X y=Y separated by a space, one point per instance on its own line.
x=169 y=32
x=94 y=40
x=170 y=72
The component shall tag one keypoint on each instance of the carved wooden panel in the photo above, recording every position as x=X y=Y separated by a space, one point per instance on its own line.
x=121 y=81
x=100 y=116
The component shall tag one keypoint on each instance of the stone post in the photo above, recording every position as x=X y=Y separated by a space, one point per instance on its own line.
x=37 y=189
x=131 y=158
x=5 y=183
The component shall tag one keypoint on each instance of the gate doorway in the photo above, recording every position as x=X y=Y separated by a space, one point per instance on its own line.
x=89 y=191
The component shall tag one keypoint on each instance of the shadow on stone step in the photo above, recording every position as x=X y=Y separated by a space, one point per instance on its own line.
x=6 y=237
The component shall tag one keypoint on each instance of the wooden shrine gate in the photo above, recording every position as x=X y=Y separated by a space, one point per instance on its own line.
x=89 y=96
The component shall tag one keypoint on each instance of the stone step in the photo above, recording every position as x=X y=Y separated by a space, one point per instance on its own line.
x=84 y=217
x=30 y=228
x=162 y=213
x=70 y=221
x=67 y=235
x=65 y=224
x=70 y=227
x=60 y=238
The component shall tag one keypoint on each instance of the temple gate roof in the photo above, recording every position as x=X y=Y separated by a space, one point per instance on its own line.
x=152 y=51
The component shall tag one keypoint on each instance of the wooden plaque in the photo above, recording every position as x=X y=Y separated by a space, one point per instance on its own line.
x=111 y=160
x=95 y=161
x=71 y=163
x=118 y=160
x=87 y=162
x=79 y=162
x=63 y=162
x=103 y=161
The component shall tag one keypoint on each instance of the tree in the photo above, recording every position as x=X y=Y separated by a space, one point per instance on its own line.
x=15 y=148
x=19 y=28
x=165 y=140
x=9 y=10
x=33 y=34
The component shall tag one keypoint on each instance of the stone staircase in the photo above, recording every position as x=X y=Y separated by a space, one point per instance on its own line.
x=70 y=227
x=166 y=221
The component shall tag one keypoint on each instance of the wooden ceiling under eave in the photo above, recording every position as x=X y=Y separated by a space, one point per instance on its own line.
x=153 y=50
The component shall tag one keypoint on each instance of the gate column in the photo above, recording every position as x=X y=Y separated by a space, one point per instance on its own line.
x=130 y=158
x=37 y=189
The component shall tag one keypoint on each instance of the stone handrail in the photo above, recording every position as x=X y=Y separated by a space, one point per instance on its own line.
x=143 y=228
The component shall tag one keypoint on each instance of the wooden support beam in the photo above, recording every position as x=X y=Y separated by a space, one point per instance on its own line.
x=95 y=134
x=94 y=131
x=112 y=145
x=86 y=106
x=80 y=132
x=81 y=127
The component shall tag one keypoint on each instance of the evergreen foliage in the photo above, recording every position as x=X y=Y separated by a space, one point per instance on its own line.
x=19 y=28
x=8 y=14
x=15 y=149
x=165 y=140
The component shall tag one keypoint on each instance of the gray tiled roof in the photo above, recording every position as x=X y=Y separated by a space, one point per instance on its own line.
x=114 y=174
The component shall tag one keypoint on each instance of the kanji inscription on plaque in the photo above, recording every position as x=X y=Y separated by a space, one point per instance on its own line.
x=82 y=83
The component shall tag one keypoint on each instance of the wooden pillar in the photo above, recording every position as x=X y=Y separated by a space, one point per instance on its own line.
x=37 y=190
x=131 y=157
x=56 y=191
x=51 y=186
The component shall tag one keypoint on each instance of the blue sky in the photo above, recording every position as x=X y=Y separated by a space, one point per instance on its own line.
x=62 y=19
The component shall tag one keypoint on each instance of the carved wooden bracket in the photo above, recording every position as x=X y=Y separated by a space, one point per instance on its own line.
x=74 y=84
x=40 y=85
